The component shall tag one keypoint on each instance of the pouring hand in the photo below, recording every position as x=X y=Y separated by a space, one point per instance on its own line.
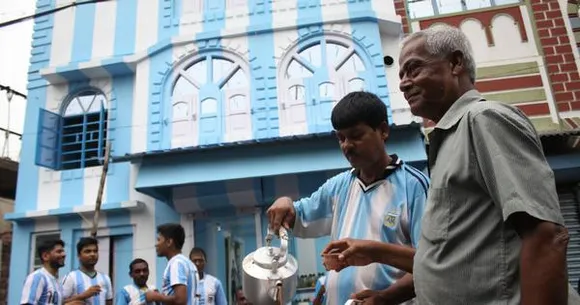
x=281 y=213
x=352 y=252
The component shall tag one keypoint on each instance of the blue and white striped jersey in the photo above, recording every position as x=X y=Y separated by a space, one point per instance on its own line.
x=211 y=291
x=77 y=282
x=41 y=288
x=133 y=295
x=388 y=210
x=180 y=271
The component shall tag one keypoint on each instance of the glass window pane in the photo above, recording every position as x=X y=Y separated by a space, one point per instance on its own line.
x=180 y=111
x=420 y=8
x=449 y=6
x=326 y=90
x=221 y=67
x=503 y=2
x=475 y=4
x=209 y=106
x=238 y=80
x=313 y=55
x=96 y=105
x=352 y=65
x=296 y=92
x=334 y=53
x=74 y=108
x=183 y=87
x=237 y=103
x=198 y=72
x=356 y=84
x=296 y=70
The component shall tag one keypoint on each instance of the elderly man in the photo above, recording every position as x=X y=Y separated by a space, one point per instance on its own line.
x=492 y=231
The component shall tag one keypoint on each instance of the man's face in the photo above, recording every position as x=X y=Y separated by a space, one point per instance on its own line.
x=426 y=81
x=198 y=260
x=140 y=274
x=241 y=299
x=55 y=257
x=162 y=245
x=362 y=145
x=89 y=255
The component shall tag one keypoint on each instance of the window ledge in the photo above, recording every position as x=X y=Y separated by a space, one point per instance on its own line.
x=105 y=207
x=121 y=65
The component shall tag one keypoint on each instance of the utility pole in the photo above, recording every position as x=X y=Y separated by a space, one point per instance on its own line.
x=7 y=132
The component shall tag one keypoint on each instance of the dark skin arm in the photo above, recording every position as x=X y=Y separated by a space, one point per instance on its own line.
x=319 y=296
x=178 y=298
x=543 y=272
x=109 y=302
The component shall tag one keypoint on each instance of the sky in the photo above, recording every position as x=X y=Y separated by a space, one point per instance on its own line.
x=15 y=44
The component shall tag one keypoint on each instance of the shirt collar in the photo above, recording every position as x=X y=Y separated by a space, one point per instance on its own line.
x=458 y=109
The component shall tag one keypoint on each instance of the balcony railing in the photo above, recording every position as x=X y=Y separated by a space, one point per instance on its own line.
x=430 y=8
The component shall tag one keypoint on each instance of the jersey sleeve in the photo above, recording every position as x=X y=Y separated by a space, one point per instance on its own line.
x=109 y=295
x=34 y=286
x=178 y=273
x=68 y=286
x=220 y=295
x=314 y=214
x=123 y=297
x=512 y=164
x=416 y=203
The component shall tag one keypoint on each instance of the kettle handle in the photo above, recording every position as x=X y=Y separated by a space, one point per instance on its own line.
x=283 y=235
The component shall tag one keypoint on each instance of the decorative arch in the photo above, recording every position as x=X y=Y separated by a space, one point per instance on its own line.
x=207 y=98
x=314 y=73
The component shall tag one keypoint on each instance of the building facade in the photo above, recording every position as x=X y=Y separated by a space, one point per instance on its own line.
x=527 y=55
x=212 y=110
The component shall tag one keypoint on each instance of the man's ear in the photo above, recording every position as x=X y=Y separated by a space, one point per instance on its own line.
x=457 y=61
x=385 y=130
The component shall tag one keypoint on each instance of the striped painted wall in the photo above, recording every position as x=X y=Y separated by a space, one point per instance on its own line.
x=132 y=51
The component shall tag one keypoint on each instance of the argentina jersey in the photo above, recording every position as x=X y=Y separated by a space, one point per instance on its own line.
x=133 y=295
x=41 y=288
x=180 y=271
x=76 y=282
x=388 y=210
x=211 y=291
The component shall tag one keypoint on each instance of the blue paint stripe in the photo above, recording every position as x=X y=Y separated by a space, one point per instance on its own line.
x=70 y=232
x=82 y=47
x=265 y=120
x=27 y=198
x=125 y=27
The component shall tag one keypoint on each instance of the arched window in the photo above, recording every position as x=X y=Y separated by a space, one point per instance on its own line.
x=313 y=78
x=84 y=129
x=210 y=102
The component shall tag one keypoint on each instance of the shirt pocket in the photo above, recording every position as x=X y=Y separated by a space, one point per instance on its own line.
x=435 y=223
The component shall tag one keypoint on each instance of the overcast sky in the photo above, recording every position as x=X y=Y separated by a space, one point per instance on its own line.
x=15 y=43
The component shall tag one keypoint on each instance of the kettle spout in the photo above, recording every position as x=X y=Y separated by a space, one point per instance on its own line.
x=278 y=295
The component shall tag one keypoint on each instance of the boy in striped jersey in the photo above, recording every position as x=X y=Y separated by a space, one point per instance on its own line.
x=179 y=282
x=41 y=286
x=380 y=198
x=87 y=284
x=210 y=289
x=134 y=294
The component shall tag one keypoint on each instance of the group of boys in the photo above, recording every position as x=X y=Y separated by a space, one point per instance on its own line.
x=183 y=283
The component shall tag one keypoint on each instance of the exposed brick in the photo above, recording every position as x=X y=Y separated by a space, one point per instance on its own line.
x=576 y=95
x=535 y=109
x=568 y=58
x=554 y=5
x=549 y=51
x=568 y=67
x=559 y=22
x=558 y=31
x=540 y=7
x=540 y=16
x=563 y=39
x=558 y=87
x=563 y=49
x=552 y=41
x=559 y=77
x=545 y=24
x=554 y=59
x=564 y=96
x=563 y=107
x=574 y=76
x=553 y=69
x=575 y=105
x=570 y=86
x=553 y=14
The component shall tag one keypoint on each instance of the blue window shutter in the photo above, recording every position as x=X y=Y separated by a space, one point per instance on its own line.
x=48 y=142
x=101 y=135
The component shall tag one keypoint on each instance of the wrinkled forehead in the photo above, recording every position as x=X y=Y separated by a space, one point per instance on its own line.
x=413 y=48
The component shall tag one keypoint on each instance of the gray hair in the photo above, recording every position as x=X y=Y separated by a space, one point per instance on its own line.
x=442 y=40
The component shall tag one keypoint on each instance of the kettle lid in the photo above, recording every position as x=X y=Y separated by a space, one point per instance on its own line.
x=270 y=257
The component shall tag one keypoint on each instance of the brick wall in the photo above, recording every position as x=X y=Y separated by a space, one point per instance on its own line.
x=401 y=10
x=557 y=48
x=6 y=240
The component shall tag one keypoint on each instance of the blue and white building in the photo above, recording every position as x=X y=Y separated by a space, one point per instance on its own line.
x=212 y=108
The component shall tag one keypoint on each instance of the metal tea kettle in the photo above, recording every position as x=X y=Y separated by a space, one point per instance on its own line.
x=270 y=273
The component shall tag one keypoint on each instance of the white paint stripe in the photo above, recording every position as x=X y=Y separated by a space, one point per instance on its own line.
x=104 y=29
x=191 y=20
x=187 y=223
x=140 y=108
x=237 y=16
x=147 y=21
x=61 y=46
